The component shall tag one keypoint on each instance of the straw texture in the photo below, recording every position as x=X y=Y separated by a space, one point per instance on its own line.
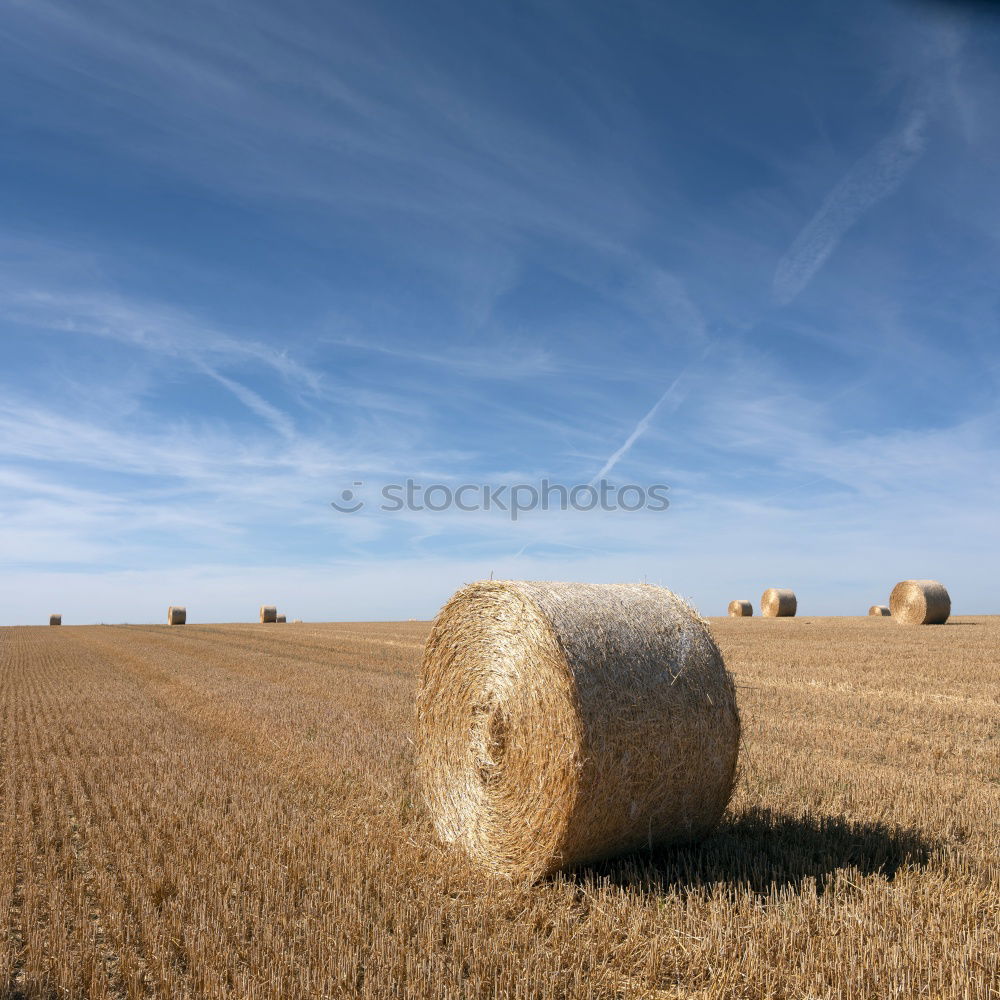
x=176 y=615
x=740 y=609
x=776 y=603
x=878 y=611
x=562 y=723
x=55 y=619
x=920 y=602
x=268 y=613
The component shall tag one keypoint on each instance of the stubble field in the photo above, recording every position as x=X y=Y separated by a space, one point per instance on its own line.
x=228 y=811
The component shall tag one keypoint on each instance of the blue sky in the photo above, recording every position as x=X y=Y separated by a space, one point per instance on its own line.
x=253 y=253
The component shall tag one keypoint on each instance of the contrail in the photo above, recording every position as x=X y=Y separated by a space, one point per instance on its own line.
x=873 y=177
x=638 y=431
x=254 y=402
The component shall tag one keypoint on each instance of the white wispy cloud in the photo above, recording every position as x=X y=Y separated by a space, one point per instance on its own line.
x=875 y=176
x=662 y=298
x=148 y=326
x=256 y=403
x=512 y=362
x=357 y=122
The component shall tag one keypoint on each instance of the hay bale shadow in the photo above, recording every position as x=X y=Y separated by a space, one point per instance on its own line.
x=762 y=851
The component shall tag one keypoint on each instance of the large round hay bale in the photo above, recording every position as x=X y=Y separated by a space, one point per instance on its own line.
x=777 y=603
x=55 y=619
x=176 y=615
x=920 y=602
x=268 y=613
x=281 y=619
x=740 y=609
x=562 y=723
x=878 y=611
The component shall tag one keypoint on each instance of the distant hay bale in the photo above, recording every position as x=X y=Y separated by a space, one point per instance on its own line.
x=281 y=619
x=920 y=602
x=176 y=615
x=268 y=613
x=777 y=603
x=296 y=621
x=55 y=619
x=740 y=609
x=878 y=611
x=562 y=723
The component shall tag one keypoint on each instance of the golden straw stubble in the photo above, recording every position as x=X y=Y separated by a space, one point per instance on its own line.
x=920 y=602
x=562 y=723
x=778 y=603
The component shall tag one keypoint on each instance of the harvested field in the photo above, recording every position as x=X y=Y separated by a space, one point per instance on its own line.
x=227 y=811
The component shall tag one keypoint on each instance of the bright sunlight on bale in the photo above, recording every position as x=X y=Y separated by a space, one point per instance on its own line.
x=268 y=613
x=920 y=602
x=562 y=723
x=878 y=611
x=740 y=609
x=281 y=619
x=55 y=619
x=776 y=603
x=176 y=616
